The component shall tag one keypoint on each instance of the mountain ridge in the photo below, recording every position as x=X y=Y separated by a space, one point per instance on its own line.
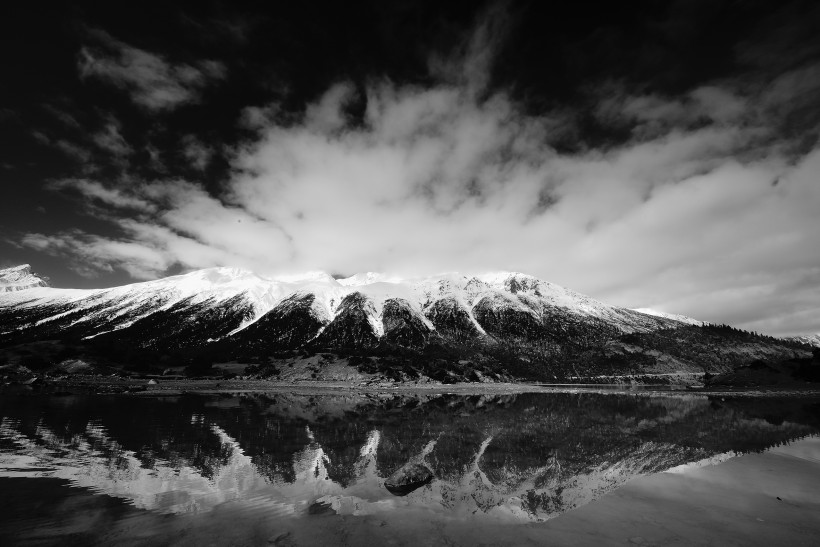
x=509 y=321
x=508 y=289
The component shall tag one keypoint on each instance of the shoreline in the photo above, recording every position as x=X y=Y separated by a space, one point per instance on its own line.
x=167 y=387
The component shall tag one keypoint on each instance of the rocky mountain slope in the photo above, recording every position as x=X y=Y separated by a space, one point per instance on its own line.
x=505 y=321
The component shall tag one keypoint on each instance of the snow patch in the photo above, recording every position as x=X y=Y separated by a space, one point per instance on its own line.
x=672 y=316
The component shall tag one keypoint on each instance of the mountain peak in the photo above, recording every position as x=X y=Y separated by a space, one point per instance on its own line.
x=20 y=277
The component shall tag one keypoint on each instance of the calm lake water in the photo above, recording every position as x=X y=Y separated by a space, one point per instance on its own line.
x=291 y=469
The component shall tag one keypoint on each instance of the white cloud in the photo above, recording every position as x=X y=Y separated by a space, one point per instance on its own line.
x=327 y=115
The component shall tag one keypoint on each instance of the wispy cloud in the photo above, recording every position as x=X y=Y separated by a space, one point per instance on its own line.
x=91 y=255
x=95 y=193
x=469 y=65
x=111 y=140
x=152 y=81
x=64 y=117
x=79 y=153
x=196 y=152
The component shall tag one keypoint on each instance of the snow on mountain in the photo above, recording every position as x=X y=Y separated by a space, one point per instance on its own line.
x=551 y=293
x=810 y=339
x=19 y=278
x=106 y=310
x=241 y=298
x=673 y=316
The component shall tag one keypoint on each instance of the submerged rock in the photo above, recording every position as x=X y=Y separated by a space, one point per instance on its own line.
x=409 y=477
x=321 y=508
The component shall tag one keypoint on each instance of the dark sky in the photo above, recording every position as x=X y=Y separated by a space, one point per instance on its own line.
x=651 y=154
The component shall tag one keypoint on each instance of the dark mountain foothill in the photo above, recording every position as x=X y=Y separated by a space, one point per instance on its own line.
x=785 y=373
x=289 y=324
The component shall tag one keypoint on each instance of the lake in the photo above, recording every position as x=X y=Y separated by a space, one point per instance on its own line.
x=290 y=468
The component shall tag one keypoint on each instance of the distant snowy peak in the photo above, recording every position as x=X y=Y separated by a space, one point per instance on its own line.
x=810 y=339
x=673 y=316
x=19 y=278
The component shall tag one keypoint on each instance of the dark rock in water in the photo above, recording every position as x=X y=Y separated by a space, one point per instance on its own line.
x=321 y=508
x=282 y=540
x=408 y=478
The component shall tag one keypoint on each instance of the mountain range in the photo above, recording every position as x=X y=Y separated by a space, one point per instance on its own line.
x=504 y=323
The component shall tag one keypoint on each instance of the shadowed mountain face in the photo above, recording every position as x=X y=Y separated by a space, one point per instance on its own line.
x=505 y=316
x=452 y=320
x=183 y=325
x=158 y=323
x=520 y=457
x=352 y=327
x=403 y=326
x=290 y=324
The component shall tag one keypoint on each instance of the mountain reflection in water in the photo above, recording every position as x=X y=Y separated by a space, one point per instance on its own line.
x=515 y=457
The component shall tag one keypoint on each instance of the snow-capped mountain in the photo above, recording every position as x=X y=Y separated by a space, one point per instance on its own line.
x=810 y=339
x=214 y=304
x=19 y=278
x=227 y=294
